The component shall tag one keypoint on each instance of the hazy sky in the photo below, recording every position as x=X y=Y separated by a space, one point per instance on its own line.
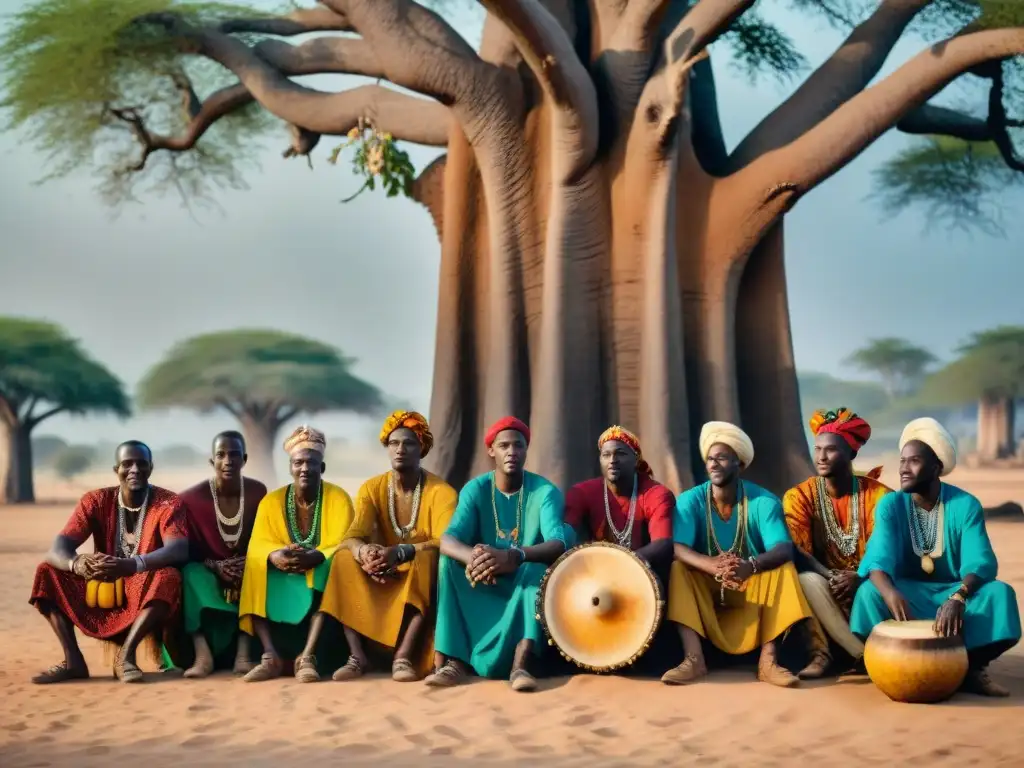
x=286 y=254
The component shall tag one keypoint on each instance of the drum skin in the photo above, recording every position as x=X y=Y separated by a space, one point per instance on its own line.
x=909 y=663
x=600 y=605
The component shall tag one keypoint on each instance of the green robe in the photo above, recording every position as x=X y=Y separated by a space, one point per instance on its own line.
x=482 y=625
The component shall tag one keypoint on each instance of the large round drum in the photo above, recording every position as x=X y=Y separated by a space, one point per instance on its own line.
x=909 y=662
x=600 y=605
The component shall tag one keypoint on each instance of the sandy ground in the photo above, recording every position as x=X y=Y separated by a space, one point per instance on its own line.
x=585 y=720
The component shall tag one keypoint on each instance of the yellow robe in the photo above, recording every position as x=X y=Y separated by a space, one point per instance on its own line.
x=769 y=603
x=270 y=533
x=375 y=610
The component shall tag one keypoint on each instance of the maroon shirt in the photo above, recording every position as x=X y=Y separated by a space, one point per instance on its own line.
x=205 y=542
x=584 y=504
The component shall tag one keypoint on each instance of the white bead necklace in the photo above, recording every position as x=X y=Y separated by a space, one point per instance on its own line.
x=223 y=522
x=844 y=541
x=623 y=538
x=403 y=531
x=133 y=549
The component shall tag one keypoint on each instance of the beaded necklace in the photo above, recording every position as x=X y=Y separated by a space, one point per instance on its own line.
x=521 y=493
x=306 y=542
x=710 y=511
x=403 y=531
x=130 y=550
x=844 y=541
x=925 y=532
x=624 y=537
x=224 y=522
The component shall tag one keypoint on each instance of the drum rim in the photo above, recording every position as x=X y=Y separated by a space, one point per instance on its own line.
x=659 y=607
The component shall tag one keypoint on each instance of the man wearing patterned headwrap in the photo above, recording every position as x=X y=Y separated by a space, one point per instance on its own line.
x=626 y=506
x=733 y=583
x=507 y=528
x=931 y=558
x=830 y=517
x=383 y=579
x=296 y=532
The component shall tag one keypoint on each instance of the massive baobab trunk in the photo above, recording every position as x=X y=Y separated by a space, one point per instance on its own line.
x=603 y=257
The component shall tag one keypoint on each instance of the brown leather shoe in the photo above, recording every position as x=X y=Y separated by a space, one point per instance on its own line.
x=770 y=672
x=818 y=666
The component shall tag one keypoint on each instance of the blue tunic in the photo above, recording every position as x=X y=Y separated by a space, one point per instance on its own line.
x=766 y=523
x=482 y=625
x=991 y=615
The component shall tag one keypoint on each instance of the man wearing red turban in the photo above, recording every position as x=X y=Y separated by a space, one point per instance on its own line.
x=626 y=506
x=507 y=529
x=830 y=518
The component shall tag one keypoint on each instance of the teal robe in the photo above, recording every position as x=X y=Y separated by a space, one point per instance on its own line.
x=766 y=524
x=991 y=616
x=482 y=625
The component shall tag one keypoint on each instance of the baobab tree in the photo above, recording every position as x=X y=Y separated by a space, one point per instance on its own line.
x=604 y=257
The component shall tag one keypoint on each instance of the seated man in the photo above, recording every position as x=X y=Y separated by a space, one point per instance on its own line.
x=625 y=506
x=737 y=597
x=506 y=530
x=830 y=518
x=221 y=512
x=930 y=557
x=296 y=532
x=383 y=592
x=129 y=589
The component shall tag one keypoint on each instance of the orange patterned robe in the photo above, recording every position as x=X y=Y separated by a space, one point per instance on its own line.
x=96 y=516
x=806 y=527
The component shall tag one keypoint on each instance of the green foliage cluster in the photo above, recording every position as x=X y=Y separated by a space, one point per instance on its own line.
x=990 y=366
x=40 y=363
x=45 y=449
x=260 y=369
x=377 y=159
x=899 y=364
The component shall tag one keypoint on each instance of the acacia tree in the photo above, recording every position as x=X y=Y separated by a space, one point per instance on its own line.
x=990 y=371
x=43 y=372
x=899 y=364
x=263 y=379
x=604 y=257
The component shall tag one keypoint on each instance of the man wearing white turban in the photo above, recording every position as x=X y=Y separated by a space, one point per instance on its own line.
x=930 y=557
x=733 y=581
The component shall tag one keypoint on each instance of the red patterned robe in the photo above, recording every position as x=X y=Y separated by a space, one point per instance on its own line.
x=96 y=516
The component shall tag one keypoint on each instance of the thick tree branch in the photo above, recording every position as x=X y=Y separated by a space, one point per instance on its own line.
x=417 y=48
x=297 y=22
x=624 y=65
x=428 y=191
x=319 y=56
x=38 y=418
x=26 y=408
x=549 y=53
x=800 y=166
x=687 y=45
x=405 y=117
x=845 y=74
x=283 y=414
x=935 y=120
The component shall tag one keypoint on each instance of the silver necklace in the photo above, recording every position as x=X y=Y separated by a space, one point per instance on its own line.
x=223 y=522
x=403 y=531
x=133 y=549
x=624 y=537
x=845 y=541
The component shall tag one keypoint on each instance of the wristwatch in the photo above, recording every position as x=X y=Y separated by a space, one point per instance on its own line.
x=960 y=595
